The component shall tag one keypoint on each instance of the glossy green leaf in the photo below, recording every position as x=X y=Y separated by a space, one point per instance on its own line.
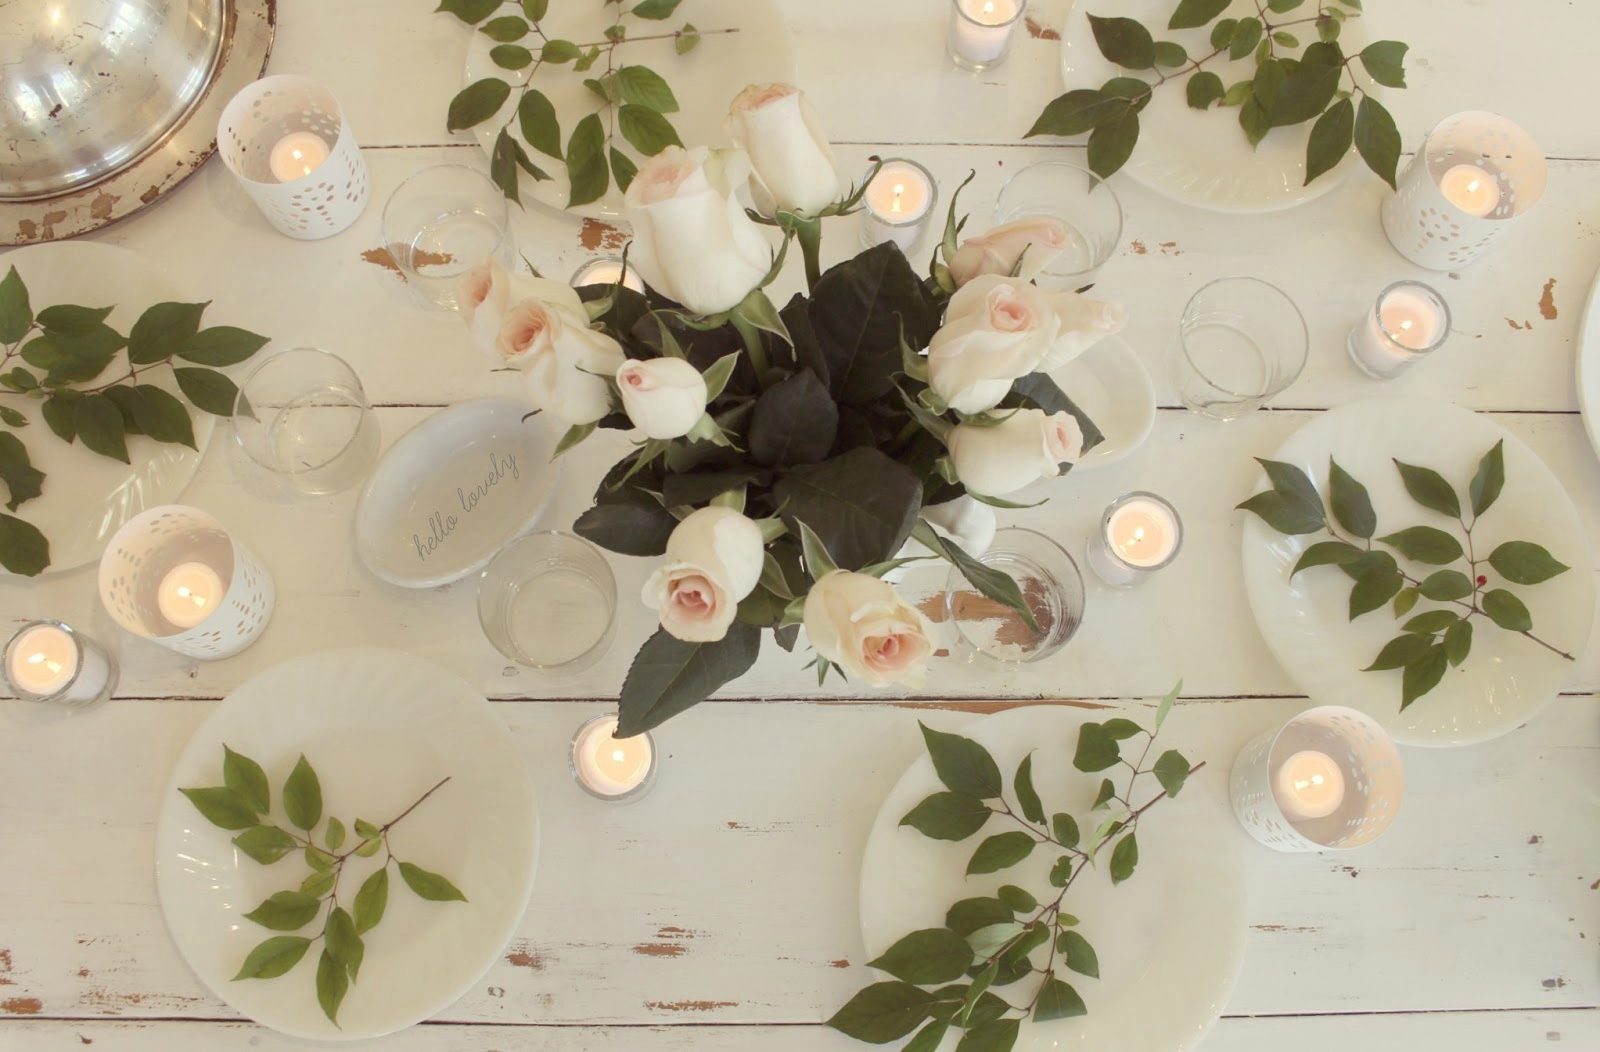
x=1507 y=611
x=333 y=982
x=430 y=886
x=883 y=1012
x=1079 y=955
x=1425 y=544
x=208 y=390
x=1190 y=14
x=1444 y=586
x=962 y=764
x=265 y=844
x=100 y=427
x=933 y=955
x=23 y=549
x=371 y=901
x=1327 y=553
x=1523 y=562
x=1096 y=749
x=1172 y=770
x=1124 y=41
x=536 y=117
x=586 y=161
x=476 y=103
x=302 y=796
x=1064 y=828
x=1331 y=139
x=1400 y=652
x=1027 y=795
x=1001 y=851
x=222 y=807
x=1489 y=479
x=1422 y=675
x=285 y=911
x=1377 y=138
x=16 y=315
x=274 y=957
x=1124 y=857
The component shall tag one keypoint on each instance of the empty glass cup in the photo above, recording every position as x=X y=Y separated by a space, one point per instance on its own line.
x=440 y=223
x=1240 y=343
x=1083 y=202
x=549 y=601
x=302 y=421
x=1052 y=589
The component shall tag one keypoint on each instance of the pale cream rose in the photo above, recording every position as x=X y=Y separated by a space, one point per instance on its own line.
x=795 y=170
x=481 y=295
x=1034 y=241
x=713 y=560
x=996 y=330
x=664 y=397
x=545 y=332
x=1083 y=322
x=1026 y=446
x=862 y=625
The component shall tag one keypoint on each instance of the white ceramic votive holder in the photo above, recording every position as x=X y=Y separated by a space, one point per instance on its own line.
x=50 y=662
x=897 y=204
x=1409 y=321
x=981 y=32
x=1139 y=534
x=1329 y=779
x=291 y=147
x=611 y=768
x=607 y=270
x=178 y=561
x=1474 y=175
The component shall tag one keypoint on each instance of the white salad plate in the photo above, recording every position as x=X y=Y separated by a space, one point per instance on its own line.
x=1111 y=386
x=88 y=497
x=1202 y=158
x=1177 y=926
x=1589 y=365
x=704 y=81
x=455 y=490
x=1506 y=679
x=380 y=728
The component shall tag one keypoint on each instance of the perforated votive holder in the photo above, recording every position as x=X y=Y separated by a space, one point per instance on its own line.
x=1441 y=223
x=318 y=204
x=1367 y=759
x=150 y=546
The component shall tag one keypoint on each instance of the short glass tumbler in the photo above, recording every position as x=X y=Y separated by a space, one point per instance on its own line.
x=1240 y=343
x=1077 y=198
x=1052 y=589
x=302 y=420
x=549 y=601
x=440 y=223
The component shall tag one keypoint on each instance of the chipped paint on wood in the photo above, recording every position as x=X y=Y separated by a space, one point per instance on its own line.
x=979 y=706
x=660 y=949
x=1040 y=32
x=1515 y=325
x=843 y=962
x=22 y=1006
x=1547 y=301
x=521 y=955
x=384 y=257
x=689 y=1006
x=597 y=235
x=1140 y=248
x=1293 y=929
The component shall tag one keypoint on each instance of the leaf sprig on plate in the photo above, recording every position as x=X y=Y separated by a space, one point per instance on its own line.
x=56 y=357
x=1457 y=580
x=242 y=803
x=1290 y=86
x=946 y=978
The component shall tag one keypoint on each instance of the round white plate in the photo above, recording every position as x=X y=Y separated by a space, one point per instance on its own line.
x=1110 y=384
x=1177 y=926
x=704 y=81
x=1589 y=365
x=379 y=727
x=88 y=497
x=455 y=490
x=1202 y=158
x=1506 y=679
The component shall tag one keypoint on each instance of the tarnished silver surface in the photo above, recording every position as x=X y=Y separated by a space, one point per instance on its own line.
x=106 y=104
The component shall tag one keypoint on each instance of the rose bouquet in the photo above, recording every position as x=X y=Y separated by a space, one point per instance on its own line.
x=788 y=459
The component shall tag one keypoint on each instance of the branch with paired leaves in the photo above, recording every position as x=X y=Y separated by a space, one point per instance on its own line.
x=55 y=357
x=634 y=100
x=1437 y=639
x=946 y=978
x=1286 y=89
x=242 y=802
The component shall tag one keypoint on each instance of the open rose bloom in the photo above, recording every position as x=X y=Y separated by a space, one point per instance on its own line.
x=862 y=625
x=1023 y=248
x=713 y=561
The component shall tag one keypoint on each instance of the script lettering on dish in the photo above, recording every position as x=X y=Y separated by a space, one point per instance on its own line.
x=441 y=524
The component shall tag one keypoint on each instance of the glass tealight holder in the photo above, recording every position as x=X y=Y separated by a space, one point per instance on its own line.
x=617 y=770
x=442 y=222
x=1240 y=343
x=1139 y=534
x=50 y=662
x=607 y=271
x=898 y=204
x=981 y=32
x=1329 y=779
x=1082 y=202
x=1052 y=589
x=1408 y=322
x=302 y=422
x=549 y=602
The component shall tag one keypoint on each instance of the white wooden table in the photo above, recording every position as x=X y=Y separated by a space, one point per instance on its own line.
x=720 y=912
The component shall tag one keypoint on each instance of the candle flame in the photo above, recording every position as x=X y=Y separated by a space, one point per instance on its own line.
x=299 y=156
x=988 y=7
x=899 y=192
x=1473 y=186
x=41 y=658
x=618 y=755
x=1302 y=784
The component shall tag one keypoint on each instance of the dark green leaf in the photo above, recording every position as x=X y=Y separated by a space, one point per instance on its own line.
x=343 y=942
x=1018 y=900
x=858 y=312
x=536 y=116
x=1105 y=795
x=504 y=29
x=23 y=481
x=273 y=958
x=1112 y=143
x=1286 y=514
x=648 y=131
x=948 y=816
x=16 y=316
x=209 y=390
x=1328 y=28
x=1096 y=750
x=1170 y=55
x=1057 y=1000
x=265 y=844
x=1507 y=611
x=99 y=425
x=221 y=346
x=1281 y=6
x=160 y=415
x=1284 y=38
x=1327 y=553
x=333 y=834
x=72 y=320
x=1193 y=13
x=318 y=882
x=1489 y=480
x=929 y=1038
x=430 y=886
x=1001 y=851
x=1061 y=871
x=862 y=505
x=476 y=103
x=1064 y=828
x=469 y=11
x=1523 y=562
x=1246 y=35
x=962 y=764
x=623 y=169
x=1429 y=489
x=503 y=165
x=634 y=523
x=1077 y=112
x=371 y=901
x=535 y=9
x=883 y=1012
x=1406 y=601
x=1304 y=92
x=997 y=1035
x=1172 y=770
x=1124 y=41
x=560 y=52
x=1122 y=729
x=1331 y=139
x=511 y=56
x=23 y=549
x=245 y=777
x=1027 y=795
x=586 y=161
x=1422 y=675
x=1377 y=139
x=1222 y=32
x=1384 y=61
x=1370 y=563
x=1373 y=591
x=333 y=981
x=222 y=807
x=1400 y=651
x=992 y=583
x=1446 y=585
x=1254 y=121
x=1080 y=956
x=669 y=675
x=1458 y=641
x=969 y=915
x=1203 y=89
x=1124 y=857
x=302 y=796
x=1432 y=622
x=933 y=955
x=1425 y=544
x=1292 y=482
x=795 y=421
x=656 y=9
x=285 y=911
x=644 y=86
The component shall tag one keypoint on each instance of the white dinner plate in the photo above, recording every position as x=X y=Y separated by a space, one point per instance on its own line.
x=1110 y=384
x=1506 y=679
x=1176 y=927
x=88 y=497
x=1202 y=158
x=454 y=490
x=704 y=81
x=1589 y=365
x=379 y=727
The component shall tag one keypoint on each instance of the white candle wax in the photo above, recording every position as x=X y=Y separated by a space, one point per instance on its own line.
x=1471 y=189
x=611 y=766
x=1407 y=319
x=897 y=203
x=42 y=660
x=1310 y=784
x=980 y=30
x=296 y=156
x=189 y=593
x=606 y=272
x=1142 y=533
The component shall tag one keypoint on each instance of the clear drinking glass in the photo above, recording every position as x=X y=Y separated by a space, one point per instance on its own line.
x=440 y=223
x=1083 y=202
x=302 y=419
x=1240 y=343
x=1051 y=586
x=549 y=601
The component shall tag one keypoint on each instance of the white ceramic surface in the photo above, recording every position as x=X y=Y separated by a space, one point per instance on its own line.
x=453 y=491
x=704 y=81
x=1589 y=365
x=1177 y=926
x=1199 y=158
x=88 y=497
x=1507 y=679
x=379 y=727
x=1110 y=384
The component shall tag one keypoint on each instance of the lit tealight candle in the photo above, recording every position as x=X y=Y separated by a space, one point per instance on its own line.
x=897 y=204
x=605 y=271
x=1409 y=320
x=297 y=155
x=980 y=31
x=1471 y=189
x=48 y=661
x=1139 y=534
x=189 y=594
x=608 y=766
x=1310 y=784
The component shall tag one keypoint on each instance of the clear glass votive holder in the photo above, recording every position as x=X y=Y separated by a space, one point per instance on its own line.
x=1408 y=322
x=440 y=223
x=1082 y=202
x=898 y=204
x=1329 y=779
x=607 y=270
x=549 y=602
x=301 y=419
x=618 y=770
x=50 y=662
x=1139 y=534
x=1052 y=589
x=1240 y=343
x=981 y=32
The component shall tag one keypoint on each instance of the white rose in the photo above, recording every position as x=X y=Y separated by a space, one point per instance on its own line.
x=714 y=560
x=1026 y=446
x=545 y=332
x=1083 y=322
x=794 y=166
x=861 y=624
x=967 y=522
x=664 y=397
x=481 y=295
x=996 y=329
x=692 y=240
x=1033 y=241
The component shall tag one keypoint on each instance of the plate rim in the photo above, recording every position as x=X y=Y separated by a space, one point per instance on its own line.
x=1147 y=389
x=1588 y=371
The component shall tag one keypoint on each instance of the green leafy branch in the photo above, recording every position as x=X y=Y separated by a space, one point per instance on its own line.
x=240 y=804
x=1435 y=640
x=1284 y=90
x=946 y=977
